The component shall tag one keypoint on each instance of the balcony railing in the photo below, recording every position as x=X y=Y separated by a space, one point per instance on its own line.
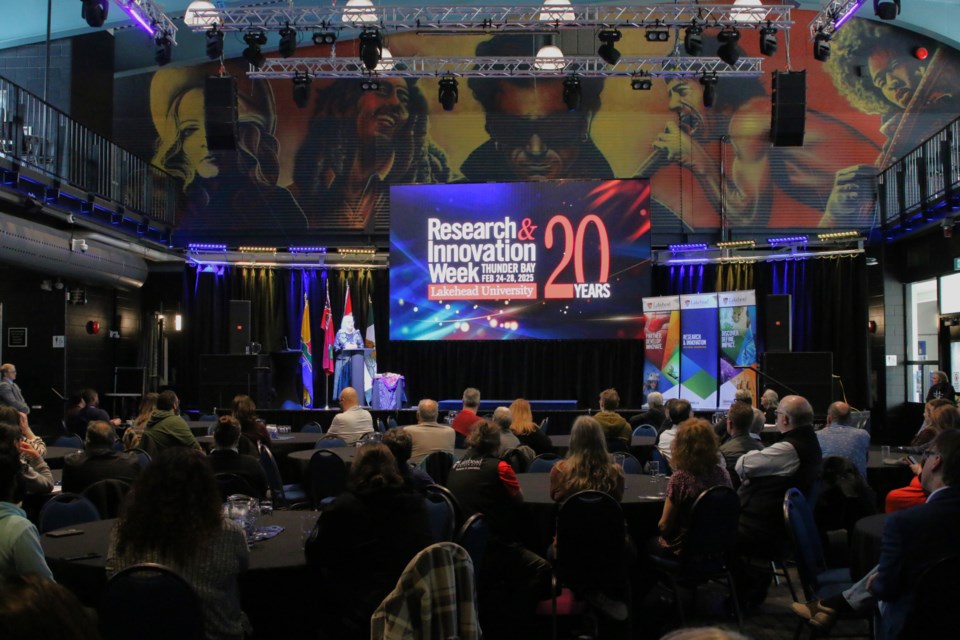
x=38 y=136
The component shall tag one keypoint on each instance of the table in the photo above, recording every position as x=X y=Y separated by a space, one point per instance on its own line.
x=562 y=443
x=299 y=461
x=55 y=455
x=883 y=477
x=865 y=544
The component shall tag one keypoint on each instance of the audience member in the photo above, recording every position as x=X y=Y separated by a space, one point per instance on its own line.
x=654 y=415
x=745 y=396
x=10 y=394
x=615 y=427
x=678 y=410
x=738 y=423
x=91 y=411
x=253 y=430
x=73 y=406
x=364 y=540
x=226 y=456
x=20 y=552
x=428 y=435
x=98 y=460
x=468 y=414
x=35 y=475
x=175 y=518
x=353 y=422
x=768 y=403
x=928 y=409
x=34 y=607
x=941 y=387
x=840 y=438
x=587 y=466
x=526 y=430
x=504 y=419
x=165 y=428
x=944 y=417
x=132 y=436
x=401 y=446
x=11 y=416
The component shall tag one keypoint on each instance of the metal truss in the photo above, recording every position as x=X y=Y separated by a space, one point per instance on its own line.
x=585 y=66
x=495 y=18
x=833 y=15
x=150 y=16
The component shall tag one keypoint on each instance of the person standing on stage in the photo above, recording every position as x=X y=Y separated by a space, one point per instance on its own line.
x=347 y=338
x=10 y=394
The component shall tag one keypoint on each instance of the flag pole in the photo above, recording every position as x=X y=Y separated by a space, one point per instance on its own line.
x=326 y=389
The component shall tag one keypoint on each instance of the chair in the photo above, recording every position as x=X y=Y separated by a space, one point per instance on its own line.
x=210 y=417
x=123 y=615
x=230 y=484
x=107 y=496
x=457 y=511
x=290 y=405
x=438 y=465
x=517 y=459
x=645 y=430
x=72 y=441
x=935 y=594
x=391 y=423
x=143 y=458
x=381 y=428
x=473 y=536
x=65 y=510
x=330 y=442
x=373 y=436
x=545 y=425
x=285 y=494
x=656 y=456
x=615 y=445
x=311 y=427
x=326 y=476
x=708 y=547
x=629 y=462
x=441 y=514
x=543 y=463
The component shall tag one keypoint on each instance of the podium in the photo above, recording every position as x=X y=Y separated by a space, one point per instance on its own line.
x=356 y=366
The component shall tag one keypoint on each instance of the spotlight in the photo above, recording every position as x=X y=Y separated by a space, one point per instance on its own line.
x=164 y=48
x=288 y=41
x=324 y=37
x=95 y=12
x=657 y=35
x=448 y=92
x=301 y=89
x=607 y=52
x=768 y=40
x=641 y=83
x=371 y=48
x=920 y=53
x=709 y=82
x=886 y=9
x=252 y=54
x=370 y=84
x=693 y=40
x=728 y=51
x=571 y=92
x=821 y=47
x=214 y=43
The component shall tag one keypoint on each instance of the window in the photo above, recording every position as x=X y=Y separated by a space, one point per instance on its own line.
x=923 y=320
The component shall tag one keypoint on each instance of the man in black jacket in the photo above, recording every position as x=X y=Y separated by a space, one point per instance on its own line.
x=226 y=457
x=98 y=461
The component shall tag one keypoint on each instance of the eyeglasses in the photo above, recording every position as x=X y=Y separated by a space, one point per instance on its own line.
x=928 y=453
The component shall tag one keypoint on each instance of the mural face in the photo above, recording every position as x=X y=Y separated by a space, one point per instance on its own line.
x=300 y=175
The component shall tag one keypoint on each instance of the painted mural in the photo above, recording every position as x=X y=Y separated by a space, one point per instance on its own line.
x=300 y=173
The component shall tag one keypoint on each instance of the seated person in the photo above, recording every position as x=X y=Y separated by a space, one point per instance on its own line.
x=253 y=430
x=769 y=401
x=226 y=456
x=353 y=421
x=504 y=419
x=739 y=421
x=840 y=438
x=401 y=445
x=165 y=428
x=939 y=414
x=615 y=427
x=654 y=415
x=467 y=416
x=35 y=474
x=35 y=606
x=587 y=466
x=527 y=431
x=132 y=436
x=88 y=413
x=428 y=435
x=678 y=410
x=20 y=552
x=98 y=460
x=943 y=417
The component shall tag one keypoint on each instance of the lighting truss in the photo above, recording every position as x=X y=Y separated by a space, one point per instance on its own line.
x=833 y=15
x=502 y=67
x=487 y=19
x=150 y=16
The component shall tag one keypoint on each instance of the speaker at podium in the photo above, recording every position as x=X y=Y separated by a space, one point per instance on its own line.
x=353 y=371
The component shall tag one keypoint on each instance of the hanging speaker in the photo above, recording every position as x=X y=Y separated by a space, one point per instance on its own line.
x=789 y=108
x=220 y=112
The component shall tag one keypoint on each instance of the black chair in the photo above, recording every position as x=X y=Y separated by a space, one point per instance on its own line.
x=441 y=513
x=285 y=495
x=71 y=441
x=232 y=484
x=934 y=595
x=330 y=442
x=381 y=428
x=629 y=462
x=656 y=456
x=123 y=615
x=143 y=458
x=517 y=460
x=311 y=427
x=326 y=476
x=65 y=510
x=645 y=430
x=545 y=425
x=438 y=465
x=391 y=423
x=457 y=510
x=543 y=463
x=474 y=536
x=108 y=496
x=707 y=549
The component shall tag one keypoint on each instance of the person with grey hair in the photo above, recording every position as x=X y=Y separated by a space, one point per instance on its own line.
x=467 y=417
x=10 y=393
x=840 y=438
x=654 y=415
x=940 y=387
x=428 y=435
x=503 y=419
x=99 y=460
x=768 y=404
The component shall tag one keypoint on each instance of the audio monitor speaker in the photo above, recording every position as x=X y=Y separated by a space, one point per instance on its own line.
x=807 y=374
x=779 y=334
x=789 y=108
x=239 y=326
x=220 y=112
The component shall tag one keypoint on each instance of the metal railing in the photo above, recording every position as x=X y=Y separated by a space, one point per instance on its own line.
x=43 y=138
x=922 y=180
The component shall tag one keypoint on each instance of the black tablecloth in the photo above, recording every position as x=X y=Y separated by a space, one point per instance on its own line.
x=639 y=446
x=300 y=460
x=865 y=544
x=55 y=455
x=883 y=477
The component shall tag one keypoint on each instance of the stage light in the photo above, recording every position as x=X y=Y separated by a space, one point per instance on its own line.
x=886 y=9
x=768 y=40
x=693 y=40
x=737 y=244
x=786 y=241
x=838 y=235
x=641 y=83
x=301 y=89
x=448 y=94
x=607 y=51
x=324 y=37
x=688 y=247
x=164 y=48
x=252 y=54
x=214 y=43
x=821 y=47
x=728 y=51
x=921 y=53
x=95 y=12
x=191 y=19
x=371 y=48
x=571 y=92
x=370 y=84
x=657 y=35
x=288 y=41
x=549 y=58
x=709 y=82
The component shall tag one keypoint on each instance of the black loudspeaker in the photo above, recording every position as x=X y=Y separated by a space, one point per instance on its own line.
x=220 y=112
x=779 y=335
x=807 y=374
x=239 y=326
x=789 y=112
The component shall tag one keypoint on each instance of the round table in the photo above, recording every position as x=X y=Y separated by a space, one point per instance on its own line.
x=282 y=446
x=883 y=477
x=55 y=455
x=300 y=460
x=865 y=544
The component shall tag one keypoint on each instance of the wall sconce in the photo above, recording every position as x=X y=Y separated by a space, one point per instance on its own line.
x=178 y=322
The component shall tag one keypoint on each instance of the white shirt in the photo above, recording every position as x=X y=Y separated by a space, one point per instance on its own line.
x=665 y=442
x=351 y=424
x=778 y=459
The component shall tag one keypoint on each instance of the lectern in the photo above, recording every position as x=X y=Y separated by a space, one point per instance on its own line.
x=356 y=366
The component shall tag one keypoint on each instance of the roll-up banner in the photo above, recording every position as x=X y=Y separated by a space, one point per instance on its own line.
x=661 y=368
x=738 y=346
x=699 y=342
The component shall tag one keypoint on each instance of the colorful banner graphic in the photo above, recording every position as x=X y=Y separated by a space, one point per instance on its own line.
x=661 y=339
x=738 y=347
x=699 y=342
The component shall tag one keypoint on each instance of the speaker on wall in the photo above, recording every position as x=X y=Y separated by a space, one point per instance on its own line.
x=789 y=108
x=220 y=112
x=239 y=326
x=807 y=374
x=778 y=332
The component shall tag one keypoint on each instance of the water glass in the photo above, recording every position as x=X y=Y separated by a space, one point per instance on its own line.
x=885 y=453
x=653 y=467
x=266 y=507
x=307 y=522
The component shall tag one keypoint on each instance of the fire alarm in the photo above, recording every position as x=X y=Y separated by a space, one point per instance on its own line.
x=921 y=53
x=93 y=327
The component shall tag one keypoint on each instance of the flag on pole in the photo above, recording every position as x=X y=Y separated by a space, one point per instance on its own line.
x=326 y=323
x=371 y=335
x=370 y=361
x=306 y=355
x=347 y=305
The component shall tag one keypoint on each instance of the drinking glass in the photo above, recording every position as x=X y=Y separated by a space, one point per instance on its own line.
x=654 y=468
x=266 y=507
x=885 y=454
x=307 y=522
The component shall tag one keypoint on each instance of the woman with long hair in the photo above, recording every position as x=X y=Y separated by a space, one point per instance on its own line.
x=587 y=466
x=253 y=430
x=943 y=415
x=131 y=437
x=175 y=518
x=526 y=430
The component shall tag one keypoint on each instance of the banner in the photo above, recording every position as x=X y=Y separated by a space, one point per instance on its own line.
x=699 y=341
x=661 y=367
x=306 y=355
x=738 y=347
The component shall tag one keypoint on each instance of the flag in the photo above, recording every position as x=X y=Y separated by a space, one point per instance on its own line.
x=347 y=305
x=326 y=323
x=370 y=342
x=306 y=355
x=371 y=335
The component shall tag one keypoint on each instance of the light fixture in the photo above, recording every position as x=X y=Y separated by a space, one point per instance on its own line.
x=571 y=92
x=95 y=12
x=768 y=40
x=920 y=53
x=709 y=83
x=206 y=246
x=557 y=15
x=728 y=51
x=301 y=88
x=164 y=48
x=256 y=249
x=324 y=37
x=252 y=54
x=178 y=322
x=448 y=93
x=386 y=61
x=886 y=9
x=359 y=11
x=370 y=84
x=838 y=235
x=641 y=83
x=550 y=58
x=607 y=51
x=288 y=41
x=657 y=35
x=371 y=48
x=214 y=43
x=821 y=47
x=693 y=40
x=191 y=19
x=786 y=240
x=737 y=244
x=688 y=247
